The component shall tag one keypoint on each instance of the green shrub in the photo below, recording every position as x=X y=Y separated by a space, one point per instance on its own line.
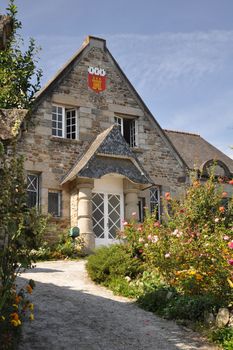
x=190 y=307
x=224 y=337
x=110 y=262
x=192 y=248
x=156 y=300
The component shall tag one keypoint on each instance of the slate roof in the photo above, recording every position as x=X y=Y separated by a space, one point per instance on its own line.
x=10 y=122
x=109 y=153
x=195 y=150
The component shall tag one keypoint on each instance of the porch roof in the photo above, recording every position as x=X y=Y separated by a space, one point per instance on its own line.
x=109 y=153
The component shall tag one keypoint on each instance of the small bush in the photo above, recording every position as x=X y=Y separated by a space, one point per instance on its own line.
x=190 y=307
x=224 y=337
x=156 y=300
x=64 y=248
x=110 y=262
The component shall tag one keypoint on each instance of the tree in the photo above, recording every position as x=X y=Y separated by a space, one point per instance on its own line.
x=19 y=75
x=20 y=228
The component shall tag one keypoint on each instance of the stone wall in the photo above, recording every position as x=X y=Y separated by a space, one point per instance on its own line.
x=53 y=157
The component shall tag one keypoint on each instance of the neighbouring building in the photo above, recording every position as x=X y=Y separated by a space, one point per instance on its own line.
x=94 y=152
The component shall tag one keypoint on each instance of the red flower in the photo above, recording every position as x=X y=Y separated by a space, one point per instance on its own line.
x=231 y=182
x=221 y=209
x=168 y=196
x=230 y=262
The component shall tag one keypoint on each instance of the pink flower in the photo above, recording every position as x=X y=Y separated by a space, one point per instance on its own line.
x=226 y=238
x=134 y=213
x=157 y=224
x=230 y=245
x=167 y=255
x=149 y=237
x=168 y=196
x=141 y=240
x=155 y=239
x=230 y=262
x=125 y=223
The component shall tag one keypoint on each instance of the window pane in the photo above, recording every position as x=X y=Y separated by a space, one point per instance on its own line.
x=33 y=190
x=54 y=203
x=155 y=202
x=71 y=124
x=57 y=121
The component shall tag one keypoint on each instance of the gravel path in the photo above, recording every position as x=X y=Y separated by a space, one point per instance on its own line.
x=73 y=313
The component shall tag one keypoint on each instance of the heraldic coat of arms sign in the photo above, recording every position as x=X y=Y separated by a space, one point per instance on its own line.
x=96 y=79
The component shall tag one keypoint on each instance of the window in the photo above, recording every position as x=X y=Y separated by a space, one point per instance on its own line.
x=54 y=203
x=128 y=128
x=155 y=201
x=64 y=122
x=141 y=208
x=33 y=190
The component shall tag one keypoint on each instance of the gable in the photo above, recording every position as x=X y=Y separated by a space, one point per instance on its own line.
x=70 y=86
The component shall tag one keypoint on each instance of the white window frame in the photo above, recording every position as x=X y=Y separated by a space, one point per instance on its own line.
x=65 y=110
x=37 y=188
x=133 y=126
x=155 y=201
x=59 y=203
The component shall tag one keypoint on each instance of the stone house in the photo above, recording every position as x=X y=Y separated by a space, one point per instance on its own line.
x=94 y=153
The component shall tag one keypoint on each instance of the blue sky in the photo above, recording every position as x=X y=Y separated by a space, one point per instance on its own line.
x=178 y=54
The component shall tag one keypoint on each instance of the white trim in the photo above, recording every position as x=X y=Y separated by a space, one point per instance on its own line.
x=66 y=109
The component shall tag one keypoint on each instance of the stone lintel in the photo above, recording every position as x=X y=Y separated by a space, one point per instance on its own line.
x=125 y=110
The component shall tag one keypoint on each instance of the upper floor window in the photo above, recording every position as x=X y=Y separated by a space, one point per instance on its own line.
x=128 y=128
x=33 y=190
x=64 y=122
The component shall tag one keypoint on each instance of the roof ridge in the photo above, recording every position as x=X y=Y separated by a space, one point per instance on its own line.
x=182 y=132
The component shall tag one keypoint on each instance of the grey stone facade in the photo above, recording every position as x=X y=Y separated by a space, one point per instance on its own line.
x=53 y=157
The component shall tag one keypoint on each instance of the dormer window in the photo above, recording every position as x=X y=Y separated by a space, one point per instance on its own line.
x=64 y=122
x=128 y=128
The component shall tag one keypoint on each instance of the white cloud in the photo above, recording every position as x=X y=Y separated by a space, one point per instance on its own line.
x=162 y=59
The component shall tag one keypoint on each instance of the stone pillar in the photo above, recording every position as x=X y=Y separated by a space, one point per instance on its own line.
x=131 y=203
x=85 y=214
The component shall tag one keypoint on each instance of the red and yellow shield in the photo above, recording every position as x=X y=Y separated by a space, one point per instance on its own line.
x=96 y=79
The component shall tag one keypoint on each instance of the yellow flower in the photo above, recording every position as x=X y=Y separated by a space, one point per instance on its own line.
x=15 y=306
x=2 y=318
x=230 y=282
x=31 y=317
x=15 y=323
x=31 y=307
x=199 y=277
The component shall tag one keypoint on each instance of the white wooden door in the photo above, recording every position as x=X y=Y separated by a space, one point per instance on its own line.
x=107 y=213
